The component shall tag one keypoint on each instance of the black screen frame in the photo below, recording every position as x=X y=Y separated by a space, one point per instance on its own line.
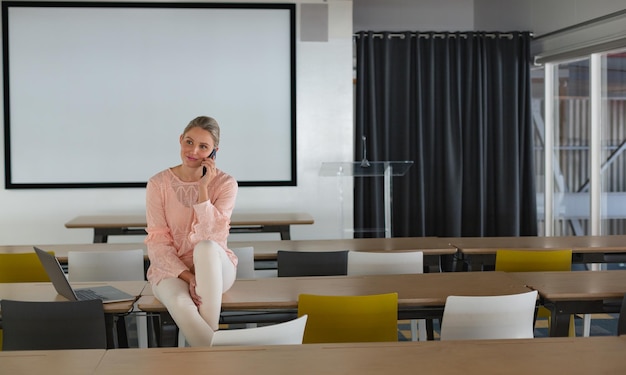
x=10 y=184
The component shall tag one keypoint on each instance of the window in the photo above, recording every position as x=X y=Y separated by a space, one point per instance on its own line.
x=580 y=145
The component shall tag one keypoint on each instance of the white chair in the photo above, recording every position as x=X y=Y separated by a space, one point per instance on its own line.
x=245 y=267
x=287 y=333
x=387 y=263
x=489 y=317
x=113 y=265
x=245 y=270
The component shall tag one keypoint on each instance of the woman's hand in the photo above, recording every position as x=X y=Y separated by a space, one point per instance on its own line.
x=192 y=291
x=190 y=278
x=209 y=164
x=211 y=172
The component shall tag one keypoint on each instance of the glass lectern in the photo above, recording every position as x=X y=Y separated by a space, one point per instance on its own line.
x=364 y=168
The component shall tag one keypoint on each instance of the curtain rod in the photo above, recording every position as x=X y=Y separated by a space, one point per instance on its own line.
x=427 y=35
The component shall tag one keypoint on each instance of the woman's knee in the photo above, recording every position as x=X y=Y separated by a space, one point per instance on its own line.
x=173 y=292
x=206 y=250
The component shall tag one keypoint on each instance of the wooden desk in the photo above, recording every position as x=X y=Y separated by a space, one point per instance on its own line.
x=67 y=362
x=572 y=356
x=480 y=251
x=60 y=251
x=46 y=292
x=420 y=296
x=120 y=225
x=432 y=247
x=417 y=293
x=264 y=251
x=577 y=292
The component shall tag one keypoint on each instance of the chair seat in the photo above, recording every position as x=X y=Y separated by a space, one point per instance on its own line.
x=286 y=333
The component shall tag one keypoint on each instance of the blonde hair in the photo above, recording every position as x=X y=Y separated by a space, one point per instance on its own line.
x=207 y=123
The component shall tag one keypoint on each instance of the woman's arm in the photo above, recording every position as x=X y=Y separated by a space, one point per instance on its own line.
x=212 y=217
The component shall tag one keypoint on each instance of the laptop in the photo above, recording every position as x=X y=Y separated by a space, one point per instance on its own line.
x=105 y=293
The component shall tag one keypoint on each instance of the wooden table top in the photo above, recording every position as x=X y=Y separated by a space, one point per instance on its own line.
x=70 y=362
x=580 y=244
x=572 y=356
x=576 y=285
x=429 y=289
x=237 y=219
x=60 y=251
x=45 y=292
x=265 y=250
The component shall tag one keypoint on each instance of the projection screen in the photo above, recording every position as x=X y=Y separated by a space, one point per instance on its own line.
x=97 y=94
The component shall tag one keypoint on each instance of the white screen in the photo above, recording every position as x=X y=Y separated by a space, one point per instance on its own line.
x=99 y=95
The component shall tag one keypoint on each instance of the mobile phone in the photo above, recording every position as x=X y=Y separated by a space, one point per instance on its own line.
x=211 y=156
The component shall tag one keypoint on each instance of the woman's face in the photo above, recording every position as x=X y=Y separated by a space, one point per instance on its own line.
x=195 y=145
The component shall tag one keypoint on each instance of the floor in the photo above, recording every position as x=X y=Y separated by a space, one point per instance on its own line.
x=601 y=325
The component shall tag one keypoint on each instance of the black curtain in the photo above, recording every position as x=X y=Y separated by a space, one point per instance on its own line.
x=458 y=106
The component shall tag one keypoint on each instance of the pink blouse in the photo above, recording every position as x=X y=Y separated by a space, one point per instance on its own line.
x=176 y=223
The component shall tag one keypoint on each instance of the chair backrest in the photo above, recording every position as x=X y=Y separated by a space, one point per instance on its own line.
x=286 y=333
x=245 y=266
x=114 y=265
x=22 y=268
x=312 y=263
x=366 y=318
x=489 y=317
x=514 y=260
x=53 y=325
x=371 y=263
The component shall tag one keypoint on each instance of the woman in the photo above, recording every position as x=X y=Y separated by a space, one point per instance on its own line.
x=188 y=210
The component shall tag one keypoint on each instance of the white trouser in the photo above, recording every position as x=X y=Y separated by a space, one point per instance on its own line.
x=215 y=274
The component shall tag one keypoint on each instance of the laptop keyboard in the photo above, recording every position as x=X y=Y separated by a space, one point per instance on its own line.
x=87 y=294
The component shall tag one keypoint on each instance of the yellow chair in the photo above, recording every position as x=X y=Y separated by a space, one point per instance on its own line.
x=21 y=268
x=367 y=318
x=514 y=260
x=509 y=260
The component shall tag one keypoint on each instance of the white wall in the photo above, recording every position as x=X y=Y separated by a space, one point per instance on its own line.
x=540 y=16
x=412 y=15
x=324 y=133
x=548 y=16
x=325 y=116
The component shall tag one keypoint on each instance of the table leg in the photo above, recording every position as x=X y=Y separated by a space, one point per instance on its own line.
x=99 y=236
x=282 y=229
x=122 y=334
x=559 y=324
x=115 y=326
x=284 y=233
x=109 y=320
